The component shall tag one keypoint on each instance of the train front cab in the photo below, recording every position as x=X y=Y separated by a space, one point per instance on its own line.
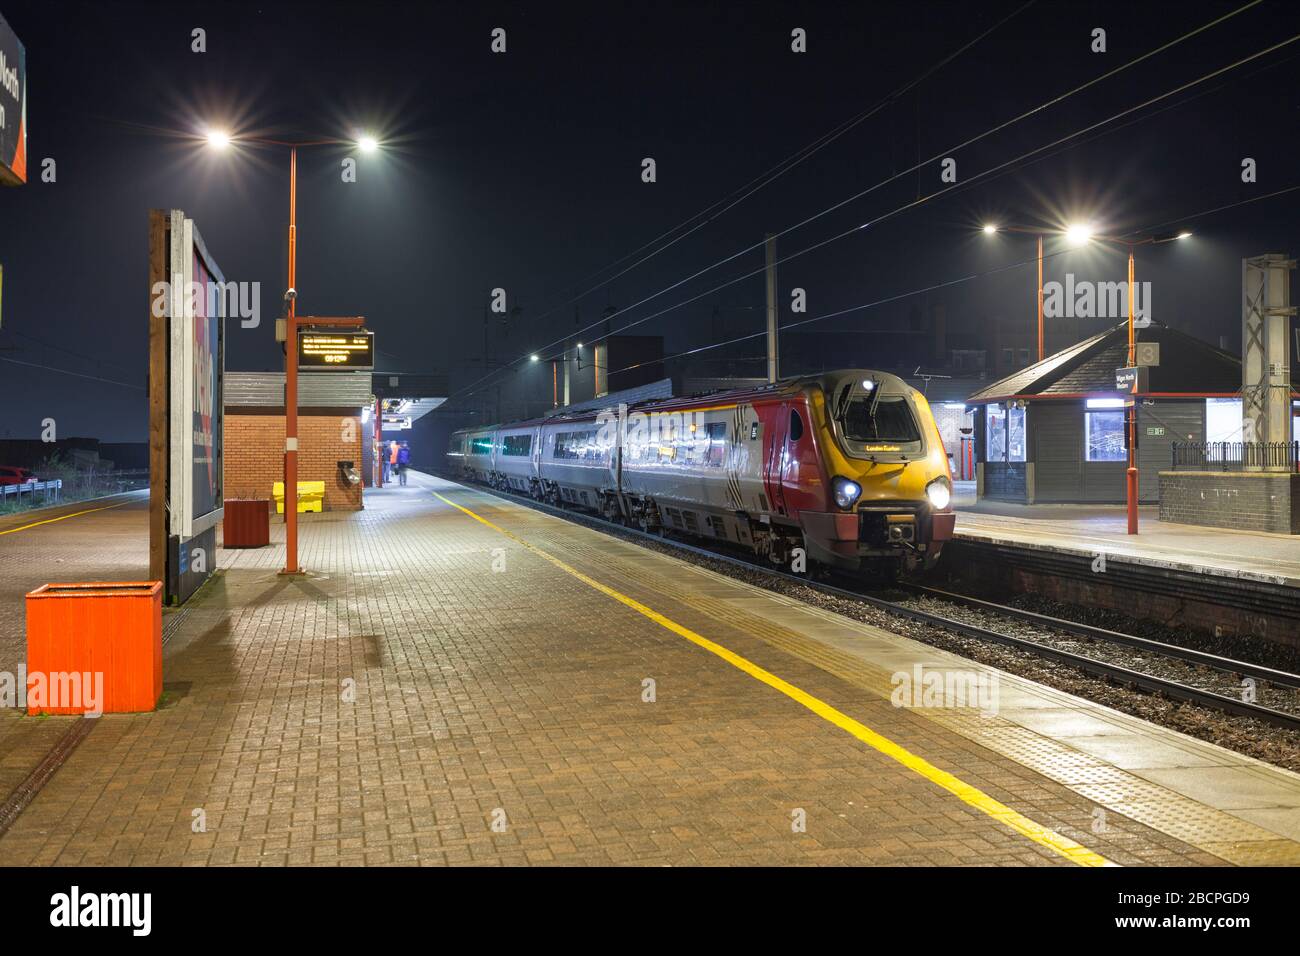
x=888 y=486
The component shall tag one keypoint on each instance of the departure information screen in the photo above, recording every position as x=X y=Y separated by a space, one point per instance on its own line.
x=351 y=350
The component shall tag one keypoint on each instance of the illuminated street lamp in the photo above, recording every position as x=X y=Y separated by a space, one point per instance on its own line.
x=1078 y=234
x=992 y=229
x=220 y=140
x=1131 y=475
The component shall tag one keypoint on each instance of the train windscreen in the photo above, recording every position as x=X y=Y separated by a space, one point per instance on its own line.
x=890 y=420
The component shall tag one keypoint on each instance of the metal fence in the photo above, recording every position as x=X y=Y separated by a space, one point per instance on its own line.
x=70 y=486
x=48 y=490
x=1236 y=455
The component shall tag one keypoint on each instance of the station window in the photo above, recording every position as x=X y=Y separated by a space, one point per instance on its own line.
x=1005 y=434
x=1223 y=419
x=517 y=446
x=1103 y=430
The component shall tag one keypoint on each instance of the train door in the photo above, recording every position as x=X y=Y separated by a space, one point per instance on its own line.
x=775 y=454
x=801 y=471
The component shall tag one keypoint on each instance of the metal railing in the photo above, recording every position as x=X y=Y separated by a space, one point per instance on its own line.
x=1236 y=455
x=30 y=488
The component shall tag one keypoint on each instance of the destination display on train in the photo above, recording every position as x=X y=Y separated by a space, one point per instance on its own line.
x=350 y=350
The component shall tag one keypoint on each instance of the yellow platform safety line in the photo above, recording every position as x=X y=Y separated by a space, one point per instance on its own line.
x=64 y=517
x=973 y=796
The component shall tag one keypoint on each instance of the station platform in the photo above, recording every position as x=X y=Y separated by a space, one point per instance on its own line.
x=463 y=680
x=1096 y=529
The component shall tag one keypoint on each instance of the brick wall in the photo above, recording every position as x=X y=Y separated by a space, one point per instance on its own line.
x=254 y=454
x=1247 y=501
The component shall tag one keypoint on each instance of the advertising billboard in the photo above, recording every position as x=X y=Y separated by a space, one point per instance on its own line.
x=197 y=363
x=205 y=409
x=13 y=108
x=186 y=400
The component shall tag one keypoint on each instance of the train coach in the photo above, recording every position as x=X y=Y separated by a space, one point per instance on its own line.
x=846 y=468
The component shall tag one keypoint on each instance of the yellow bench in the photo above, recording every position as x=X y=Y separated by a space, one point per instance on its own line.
x=311 y=496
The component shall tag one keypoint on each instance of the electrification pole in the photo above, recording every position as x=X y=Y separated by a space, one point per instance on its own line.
x=772 y=351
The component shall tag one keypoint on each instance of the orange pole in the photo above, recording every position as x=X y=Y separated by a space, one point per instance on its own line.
x=1040 y=298
x=379 y=442
x=555 y=385
x=1132 y=475
x=291 y=384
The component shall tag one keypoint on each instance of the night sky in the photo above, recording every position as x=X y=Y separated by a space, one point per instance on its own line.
x=523 y=170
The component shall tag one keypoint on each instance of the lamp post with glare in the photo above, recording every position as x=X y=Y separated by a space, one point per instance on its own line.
x=221 y=140
x=1131 y=473
x=1076 y=234
x=1081 y=234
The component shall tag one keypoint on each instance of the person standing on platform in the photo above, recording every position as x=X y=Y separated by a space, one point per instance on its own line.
x=392 y=459
x=403 y=462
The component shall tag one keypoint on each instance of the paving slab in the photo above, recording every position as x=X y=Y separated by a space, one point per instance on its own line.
x=440 y=690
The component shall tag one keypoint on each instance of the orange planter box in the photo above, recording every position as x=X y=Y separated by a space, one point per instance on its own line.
x=95 y=647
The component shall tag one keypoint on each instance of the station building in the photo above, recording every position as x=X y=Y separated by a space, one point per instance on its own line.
x=334 y=411
x=1055 y=431
x=343 y=417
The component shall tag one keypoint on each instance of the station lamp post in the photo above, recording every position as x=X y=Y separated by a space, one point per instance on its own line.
x=1079 y=235
x=221 y=140
x=1131 y=475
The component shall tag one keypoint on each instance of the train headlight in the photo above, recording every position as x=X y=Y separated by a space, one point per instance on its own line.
x=846 y=492
x=939 y=492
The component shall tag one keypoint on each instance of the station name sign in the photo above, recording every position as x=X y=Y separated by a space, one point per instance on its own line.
x=1132 y=380
x=341 y=349
x=13 y=108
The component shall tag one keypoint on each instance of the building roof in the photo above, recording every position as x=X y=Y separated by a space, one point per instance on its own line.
x=333 y=389
x=1188 y=366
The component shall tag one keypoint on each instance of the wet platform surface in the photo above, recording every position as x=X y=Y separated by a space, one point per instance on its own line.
x=460 y=679
x=1096 y=529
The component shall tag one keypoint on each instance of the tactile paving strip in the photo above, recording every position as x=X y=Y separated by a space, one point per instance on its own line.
x=1228 y=837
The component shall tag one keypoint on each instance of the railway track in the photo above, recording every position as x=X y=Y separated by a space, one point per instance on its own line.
x=1041 y=647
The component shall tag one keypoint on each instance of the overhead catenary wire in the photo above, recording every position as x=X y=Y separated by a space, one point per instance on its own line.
x=955 y=187
x=66 y=371
x=708 y=214
x=936 y=286
x=469 y=389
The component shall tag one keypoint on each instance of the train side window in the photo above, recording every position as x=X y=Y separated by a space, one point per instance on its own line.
x=717 y=443
x=517 y=446
x=796 y=426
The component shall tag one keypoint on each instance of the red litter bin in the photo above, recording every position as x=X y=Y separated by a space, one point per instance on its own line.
x=247 y=523
x=94 y=648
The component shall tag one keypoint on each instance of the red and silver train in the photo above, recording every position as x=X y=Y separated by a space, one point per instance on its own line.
x=847 y=465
